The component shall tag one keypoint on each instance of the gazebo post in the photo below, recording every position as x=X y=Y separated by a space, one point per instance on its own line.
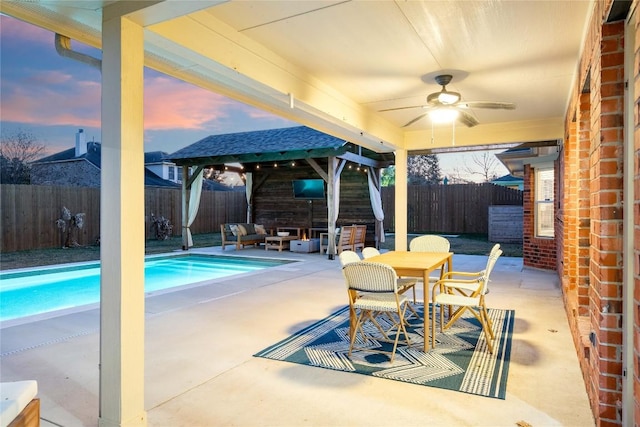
x=332 y=214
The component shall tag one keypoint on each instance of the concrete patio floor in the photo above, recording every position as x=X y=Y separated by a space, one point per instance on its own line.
x=200 y=369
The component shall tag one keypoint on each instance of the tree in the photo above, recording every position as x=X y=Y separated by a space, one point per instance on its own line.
x=388 y=176
x=484 y=165
x=424 y=169
x=17 y=151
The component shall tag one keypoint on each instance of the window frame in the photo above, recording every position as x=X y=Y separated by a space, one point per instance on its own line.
x=543 y=200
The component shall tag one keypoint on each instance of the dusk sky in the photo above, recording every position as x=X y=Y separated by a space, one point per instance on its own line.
x=51 y=97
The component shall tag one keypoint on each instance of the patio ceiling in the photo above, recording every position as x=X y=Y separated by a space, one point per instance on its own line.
x=333 y=65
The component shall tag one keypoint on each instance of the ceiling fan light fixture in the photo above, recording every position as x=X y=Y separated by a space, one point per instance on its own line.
x=443 y=115
x=446 y=97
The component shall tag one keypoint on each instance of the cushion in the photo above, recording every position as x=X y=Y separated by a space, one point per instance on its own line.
x=234 y=229
x=251 y=229
x=260 y=229
x=14 y=397
x=242 y=229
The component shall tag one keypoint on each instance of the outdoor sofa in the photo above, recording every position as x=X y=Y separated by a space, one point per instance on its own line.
x=240 y=234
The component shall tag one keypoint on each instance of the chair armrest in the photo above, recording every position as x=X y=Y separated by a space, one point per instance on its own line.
x=451 y=274
x=448 y=284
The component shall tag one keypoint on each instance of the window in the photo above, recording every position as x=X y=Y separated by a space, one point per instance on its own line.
x=172 y=173
x=544 y=184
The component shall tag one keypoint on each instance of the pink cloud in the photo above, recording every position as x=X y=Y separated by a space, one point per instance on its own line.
x=172 y=104
x=52 y=77
x=52 y=98
x=12 y=29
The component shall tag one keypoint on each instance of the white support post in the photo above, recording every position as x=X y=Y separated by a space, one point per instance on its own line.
x=122 y=225
x=401 y=200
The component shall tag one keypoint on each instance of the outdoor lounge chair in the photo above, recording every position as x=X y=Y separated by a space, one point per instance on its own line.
x=373 y=289
x=466 y=291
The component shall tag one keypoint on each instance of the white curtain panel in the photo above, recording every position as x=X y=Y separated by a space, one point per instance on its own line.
x=376 y=203
x=194 y=204
x=248 y=185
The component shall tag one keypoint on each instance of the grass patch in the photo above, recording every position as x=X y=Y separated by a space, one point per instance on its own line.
x=468 y=244
x=463 y=244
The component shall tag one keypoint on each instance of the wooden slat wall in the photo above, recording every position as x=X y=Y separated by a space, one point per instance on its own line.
x=29 y=212
x=275 y=206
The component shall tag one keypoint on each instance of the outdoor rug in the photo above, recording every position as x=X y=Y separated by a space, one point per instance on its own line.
x=459 y=362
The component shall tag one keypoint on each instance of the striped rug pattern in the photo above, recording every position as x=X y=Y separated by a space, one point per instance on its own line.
x=459 y=362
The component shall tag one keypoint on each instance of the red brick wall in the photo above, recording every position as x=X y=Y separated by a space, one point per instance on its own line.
x=605 y=293
x=590 y=216
x=634 y=83
x=583 y=219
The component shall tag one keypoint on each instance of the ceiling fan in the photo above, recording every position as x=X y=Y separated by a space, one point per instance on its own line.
x=448 y=105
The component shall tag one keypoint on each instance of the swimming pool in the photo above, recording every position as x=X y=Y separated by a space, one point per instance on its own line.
x=38 y=291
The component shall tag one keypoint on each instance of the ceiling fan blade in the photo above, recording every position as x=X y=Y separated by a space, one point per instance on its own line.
x=414 y=120
x=401 y=108
x=487 y=104
x=467 y=119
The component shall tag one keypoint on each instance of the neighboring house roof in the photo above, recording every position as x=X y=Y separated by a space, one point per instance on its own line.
x=292 y=143
x=153 y=180
x=156 y=157
x=93 y=156
x=508 y=179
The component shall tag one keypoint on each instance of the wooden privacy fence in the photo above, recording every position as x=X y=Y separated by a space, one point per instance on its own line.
x=457 y=208
x=29 y=213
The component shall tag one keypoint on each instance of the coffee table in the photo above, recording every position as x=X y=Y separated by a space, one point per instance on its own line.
x=278 y=242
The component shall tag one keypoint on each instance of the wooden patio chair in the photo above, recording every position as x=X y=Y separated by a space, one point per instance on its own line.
x=345 y=241
x=359 y=237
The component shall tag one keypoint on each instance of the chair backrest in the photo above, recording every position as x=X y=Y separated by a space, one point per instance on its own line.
x=494 y=249
x=363 y=276
x=429 y=243
x=347 y=257
x=360 y=235
x=491 y=262
x=369 y=252
x=346 y=238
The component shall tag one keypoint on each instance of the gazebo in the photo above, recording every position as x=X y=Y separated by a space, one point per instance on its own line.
x=269 y=159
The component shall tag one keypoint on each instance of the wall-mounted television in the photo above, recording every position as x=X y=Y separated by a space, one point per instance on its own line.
x=308 y=189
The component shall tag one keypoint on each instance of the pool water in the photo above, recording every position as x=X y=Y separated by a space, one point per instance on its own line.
x=57 y=288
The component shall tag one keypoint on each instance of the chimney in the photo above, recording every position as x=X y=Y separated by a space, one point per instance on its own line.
x=81 y=144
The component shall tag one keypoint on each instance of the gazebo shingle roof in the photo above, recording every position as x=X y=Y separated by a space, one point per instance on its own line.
x=291 y=143
x=257 y=142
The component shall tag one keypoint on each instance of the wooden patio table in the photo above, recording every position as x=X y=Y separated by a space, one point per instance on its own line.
x=417 y=264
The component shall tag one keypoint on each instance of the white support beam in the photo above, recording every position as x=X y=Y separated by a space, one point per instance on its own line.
x=242 y=65
x=122 y=226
